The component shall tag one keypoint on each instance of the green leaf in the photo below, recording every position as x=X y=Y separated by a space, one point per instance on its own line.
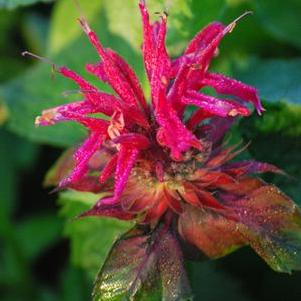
x=143 y=266
x=91 y=238
x=212 y=284
x=12 y=160
x=279 y=129
x=37 y=233
x=10 y=4
x=35 y=29
x=75 y=285
x=25 y=101
x=282 y=19
x=276 y=79
x=64 y=16
x=282 y=118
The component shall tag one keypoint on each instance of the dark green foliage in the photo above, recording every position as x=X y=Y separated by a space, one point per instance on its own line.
x=10 y=4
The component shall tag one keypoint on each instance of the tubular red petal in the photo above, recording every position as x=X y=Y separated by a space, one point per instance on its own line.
x=87 y=183
x=131 y=77
x=173 y=133
x=108 y=170
x=115 y=78
x=216 y=106
x=86 y=87
x=82 y=157
x=148 y=46
x=225 y=85
x=126 y=160
x=133 y=141
x=197 y=117
x=179 y=88
x=103 y=102
x=97 y=70
x=204 y=37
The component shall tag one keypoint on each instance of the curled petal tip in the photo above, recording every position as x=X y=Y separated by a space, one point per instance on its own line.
x=238 y=111
x=38 y=121
x=41 y=58
x=260 y=110
x=142 y=2
x=84 y=25
x=55 y=190
x=232 y=25
x=47 y=118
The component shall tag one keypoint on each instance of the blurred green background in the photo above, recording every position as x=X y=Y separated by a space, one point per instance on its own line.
x=45 y=255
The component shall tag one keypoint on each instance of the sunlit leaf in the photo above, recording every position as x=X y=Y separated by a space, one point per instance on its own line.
x=91 y=238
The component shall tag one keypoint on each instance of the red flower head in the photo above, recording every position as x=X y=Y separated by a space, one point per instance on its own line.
x=153 y=159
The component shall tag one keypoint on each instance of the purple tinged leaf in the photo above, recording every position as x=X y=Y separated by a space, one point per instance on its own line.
x=107 y=207
x=211 y=232
x=264 y=218
x=143 y=266
x=251 y=167
x=271 y=224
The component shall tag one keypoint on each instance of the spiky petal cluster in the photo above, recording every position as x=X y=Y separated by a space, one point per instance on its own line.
x=152 y=159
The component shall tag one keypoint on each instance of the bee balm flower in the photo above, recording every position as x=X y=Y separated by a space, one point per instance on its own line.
x=157 y=164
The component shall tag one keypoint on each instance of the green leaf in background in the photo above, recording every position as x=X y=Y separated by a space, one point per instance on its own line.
x=12 y=161
x=64 y=17
x=281 y=19
x=276 y=139
x=75 y=285
x=276 y=80
x=16 y=156
x=25 y=102
x=35 y=31
x=11 y=65
x=91 y=237
x=211 y=284
x=37 y=233
x=10 y=4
